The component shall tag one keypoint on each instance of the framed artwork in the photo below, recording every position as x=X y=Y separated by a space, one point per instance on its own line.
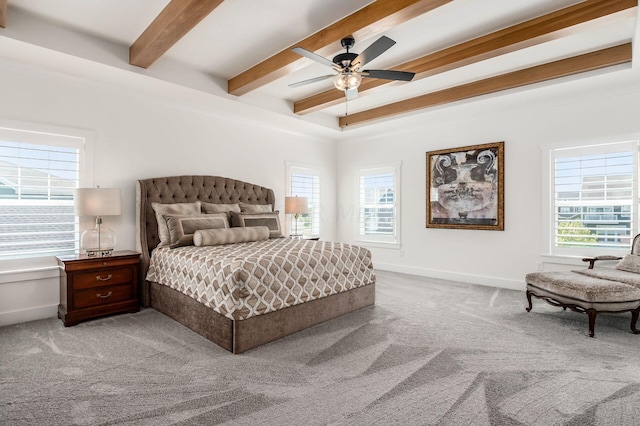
x=465 y=187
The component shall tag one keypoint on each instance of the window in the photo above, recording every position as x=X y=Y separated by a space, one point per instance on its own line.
x=378 y=207
x=305 y=182
x=594 y=198
x=38 y=172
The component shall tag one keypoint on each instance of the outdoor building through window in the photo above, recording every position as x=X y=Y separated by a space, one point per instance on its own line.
x=378 y=217
x=595 y=198
x=38 y=173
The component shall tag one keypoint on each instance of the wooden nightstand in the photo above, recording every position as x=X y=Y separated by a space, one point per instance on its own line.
x=92 y=287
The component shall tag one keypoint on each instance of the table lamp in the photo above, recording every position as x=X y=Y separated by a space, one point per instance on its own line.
x=296 y=206
x=99 y=241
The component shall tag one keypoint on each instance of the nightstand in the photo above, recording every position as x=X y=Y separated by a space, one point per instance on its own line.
x=92 y=287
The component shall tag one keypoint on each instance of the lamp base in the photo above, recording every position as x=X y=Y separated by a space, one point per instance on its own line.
x=98 y=253
x=98 y=241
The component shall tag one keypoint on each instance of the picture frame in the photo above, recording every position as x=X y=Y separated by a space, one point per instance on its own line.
x=465 y=187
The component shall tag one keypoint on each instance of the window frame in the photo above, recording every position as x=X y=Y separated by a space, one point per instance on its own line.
x=595 y=146
x=390 y=241
x=41 y=134
x=301 y=168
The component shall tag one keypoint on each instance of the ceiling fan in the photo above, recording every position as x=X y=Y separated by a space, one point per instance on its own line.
x=349 y=66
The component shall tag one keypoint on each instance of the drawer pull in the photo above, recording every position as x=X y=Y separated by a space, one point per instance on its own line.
x=103 y=296
x=107 y=278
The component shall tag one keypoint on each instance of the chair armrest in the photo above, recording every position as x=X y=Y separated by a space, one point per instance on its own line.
x=592 y=260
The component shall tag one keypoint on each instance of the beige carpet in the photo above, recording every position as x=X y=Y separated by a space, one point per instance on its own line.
x=429 y=352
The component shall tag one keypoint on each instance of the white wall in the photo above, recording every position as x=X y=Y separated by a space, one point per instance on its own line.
x=601 y=106
x=140 y=136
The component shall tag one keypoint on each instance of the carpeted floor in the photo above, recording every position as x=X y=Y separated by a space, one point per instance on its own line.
x=428 y=352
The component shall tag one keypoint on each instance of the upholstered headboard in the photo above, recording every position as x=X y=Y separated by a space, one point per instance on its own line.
x=635 y=246
x=181 y=189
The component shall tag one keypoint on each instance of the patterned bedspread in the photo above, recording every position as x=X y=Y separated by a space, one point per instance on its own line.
x=243 y=280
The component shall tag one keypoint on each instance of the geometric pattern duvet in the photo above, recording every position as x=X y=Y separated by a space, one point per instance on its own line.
x=244 y=280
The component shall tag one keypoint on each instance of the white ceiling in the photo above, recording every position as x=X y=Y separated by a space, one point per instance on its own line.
x=241 y=33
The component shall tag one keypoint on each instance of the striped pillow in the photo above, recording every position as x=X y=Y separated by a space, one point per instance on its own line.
x=182 y=228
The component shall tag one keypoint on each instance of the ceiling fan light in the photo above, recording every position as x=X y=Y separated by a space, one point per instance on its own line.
x=347 y=80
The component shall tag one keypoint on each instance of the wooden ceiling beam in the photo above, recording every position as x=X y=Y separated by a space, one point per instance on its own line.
x=173 y=23
x=574 y=65
x=367 y=22
x=4 y=4
x=539 y=30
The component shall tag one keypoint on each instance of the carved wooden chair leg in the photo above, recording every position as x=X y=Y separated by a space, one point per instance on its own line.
x=592 y=321
x=529 y=299
x=634 y=320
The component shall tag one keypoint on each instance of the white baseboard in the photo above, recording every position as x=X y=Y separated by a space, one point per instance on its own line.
x=453 y=276
x=31 y=314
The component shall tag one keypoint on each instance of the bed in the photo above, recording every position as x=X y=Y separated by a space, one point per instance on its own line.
x=272 y=288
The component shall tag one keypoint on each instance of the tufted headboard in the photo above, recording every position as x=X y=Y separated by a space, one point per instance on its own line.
x=635 y=245
x=181 y=189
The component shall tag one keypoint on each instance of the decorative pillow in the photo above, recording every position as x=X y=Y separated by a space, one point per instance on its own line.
x=163 y=210
x=256 y=208
x=630 y=263
x=216 y=237
x=181 y=228
x=270 y=220
x=209 y=208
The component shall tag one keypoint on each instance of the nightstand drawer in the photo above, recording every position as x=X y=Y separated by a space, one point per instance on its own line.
x=102 y=278
x=102 y=296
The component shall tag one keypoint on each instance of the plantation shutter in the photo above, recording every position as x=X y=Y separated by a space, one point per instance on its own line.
x=306 y=183
x=377 y=211
x=36 y=195
x=595 y=202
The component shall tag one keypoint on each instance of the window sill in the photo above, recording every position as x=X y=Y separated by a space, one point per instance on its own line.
x=378 y=244
x=563 y=260
x=27 y=264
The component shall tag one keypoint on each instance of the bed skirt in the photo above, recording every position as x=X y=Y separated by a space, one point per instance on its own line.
x=240 y=336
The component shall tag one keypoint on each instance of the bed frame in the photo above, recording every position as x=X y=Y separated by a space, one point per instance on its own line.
x=236 y=336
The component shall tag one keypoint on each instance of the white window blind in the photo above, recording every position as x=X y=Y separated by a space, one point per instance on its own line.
x=378 y=205
x=305 y=182
x=36 y=194
x=595 y=198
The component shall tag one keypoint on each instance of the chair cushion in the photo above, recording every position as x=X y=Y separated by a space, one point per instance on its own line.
x=582 y=287
x=610 y=274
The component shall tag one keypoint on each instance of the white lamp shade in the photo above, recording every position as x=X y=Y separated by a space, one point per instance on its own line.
x=97 y=202
x=296 y=205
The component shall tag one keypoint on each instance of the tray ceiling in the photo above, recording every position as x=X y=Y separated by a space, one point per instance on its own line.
x=459 y=49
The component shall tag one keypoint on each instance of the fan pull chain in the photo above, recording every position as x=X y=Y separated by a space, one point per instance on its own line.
x=346 y=107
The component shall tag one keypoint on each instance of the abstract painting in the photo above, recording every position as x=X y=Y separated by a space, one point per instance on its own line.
x=465 y=187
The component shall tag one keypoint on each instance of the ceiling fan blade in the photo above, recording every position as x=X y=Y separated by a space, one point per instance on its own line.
x=370 y=53
x=311 y=80
x=351 y=94
x=304 y=52
x=389 y=74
